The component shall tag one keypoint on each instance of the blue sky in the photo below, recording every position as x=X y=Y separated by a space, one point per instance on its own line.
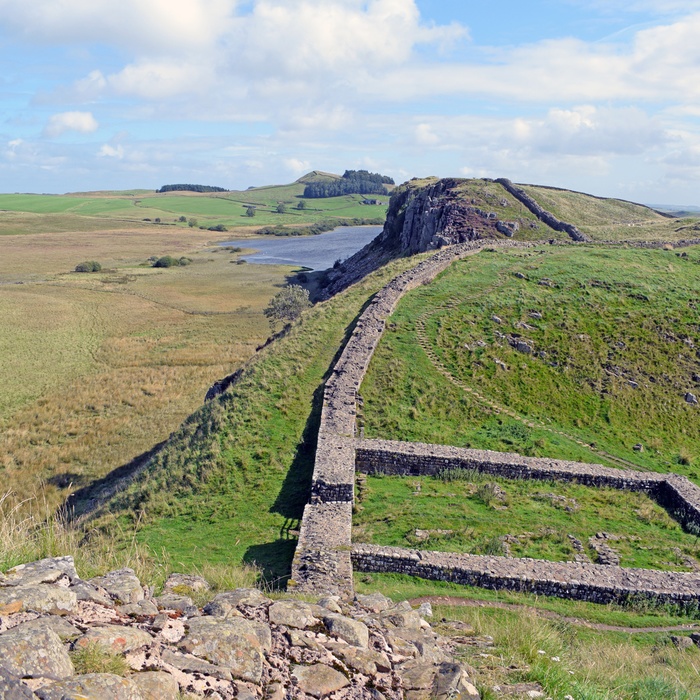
x=602 y=97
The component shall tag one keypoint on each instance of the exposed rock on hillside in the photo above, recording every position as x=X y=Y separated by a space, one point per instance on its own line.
x=421 y=218
x=241 y=645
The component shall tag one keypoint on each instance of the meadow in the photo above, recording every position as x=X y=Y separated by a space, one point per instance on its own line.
x=584 y=354
x=482 y=515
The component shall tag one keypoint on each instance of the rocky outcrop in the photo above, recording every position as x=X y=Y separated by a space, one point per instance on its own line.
x=421 y=218
x=240 y=645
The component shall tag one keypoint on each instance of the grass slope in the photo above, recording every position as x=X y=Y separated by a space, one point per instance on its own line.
x=527 y=519
x=613 y=354
x=232 y=482
x=605 y=219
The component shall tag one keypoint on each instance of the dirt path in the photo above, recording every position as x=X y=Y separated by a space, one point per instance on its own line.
x=548 y=614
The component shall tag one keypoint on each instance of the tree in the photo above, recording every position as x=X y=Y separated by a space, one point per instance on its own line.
x=182 y=219
x=302 y=204
x=192 y=223
x=287 y=305
x=250 y=211
x=281 y=208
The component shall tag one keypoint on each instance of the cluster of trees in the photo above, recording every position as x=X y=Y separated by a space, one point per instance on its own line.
x=88 y=266
x=170 y=261
x=190 y=188
x=286 y=306
x=352 y=182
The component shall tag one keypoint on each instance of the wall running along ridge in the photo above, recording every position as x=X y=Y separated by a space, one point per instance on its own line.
x=542 y=214
x=325 y=555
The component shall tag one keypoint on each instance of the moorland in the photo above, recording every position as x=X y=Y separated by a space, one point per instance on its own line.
x=103 y=368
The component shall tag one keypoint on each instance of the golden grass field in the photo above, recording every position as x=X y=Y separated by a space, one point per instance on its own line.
x=98 y=368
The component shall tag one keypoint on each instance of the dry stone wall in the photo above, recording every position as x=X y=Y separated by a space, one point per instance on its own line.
x=322 y=558
x=592 y=582
x=325 y=556
x=542 y=214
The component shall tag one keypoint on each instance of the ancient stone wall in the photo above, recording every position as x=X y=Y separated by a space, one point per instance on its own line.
x=542 y=214
x=674 y=492
x=322 y=558
x=582 y=581
x=325 y=556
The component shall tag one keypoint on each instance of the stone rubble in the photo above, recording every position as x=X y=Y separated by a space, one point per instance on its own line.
x=240 y=645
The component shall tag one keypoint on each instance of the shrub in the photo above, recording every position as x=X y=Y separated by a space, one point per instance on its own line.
x=166 y=261
x=218 y=227
x=281 y=208
x=88 y=266
x=286 y=306
x=184 y=261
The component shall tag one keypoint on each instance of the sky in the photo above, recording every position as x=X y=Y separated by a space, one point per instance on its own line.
x=592 y=95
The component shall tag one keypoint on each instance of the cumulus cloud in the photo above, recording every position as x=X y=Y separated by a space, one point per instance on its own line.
x=590 y=130
x=137 y=24
x=82 y=122
x=107 y=151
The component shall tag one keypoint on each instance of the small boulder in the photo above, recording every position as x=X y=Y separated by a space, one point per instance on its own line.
x=352 y=631
x=691 y=398
x=29 y=574
x=681 y=642
x=122 y=585
x=91 y=593
x=191 y=664
x=116 y=638
x=35 y=653
x=173 y=601
x=42 y=599
x=143 y=607
x=401 y=618
x=232 y=644
x=91 y=686
x=292 y=613
x=156 y=685
x=184 y=583
x=452 y=683
x=319 y=680
x=12 y=688
x=64 y=629
x=374 y=602
x=226 y=604
x=365 y=661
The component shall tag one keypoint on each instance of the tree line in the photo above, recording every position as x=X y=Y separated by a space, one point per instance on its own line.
x=352 y=182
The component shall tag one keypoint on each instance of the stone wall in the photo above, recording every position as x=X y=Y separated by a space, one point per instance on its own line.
x=582 y=581
x=542 y=214
x=322 y=557
x=674 y=492
x=325 y=556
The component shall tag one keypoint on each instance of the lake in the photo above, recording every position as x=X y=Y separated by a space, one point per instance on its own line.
x=315 y=252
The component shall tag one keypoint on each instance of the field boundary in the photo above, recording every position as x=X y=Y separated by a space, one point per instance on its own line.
x=325 y=555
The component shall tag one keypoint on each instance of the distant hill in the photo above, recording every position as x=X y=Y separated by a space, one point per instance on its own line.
x=317 y=176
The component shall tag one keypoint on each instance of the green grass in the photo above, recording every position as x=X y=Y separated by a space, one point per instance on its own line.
x=232 y=482
x=461 y=516
x=612 y=316
x=227 y=208
x=609 y=219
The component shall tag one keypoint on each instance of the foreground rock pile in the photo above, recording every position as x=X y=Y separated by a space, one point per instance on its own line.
x=239 y=645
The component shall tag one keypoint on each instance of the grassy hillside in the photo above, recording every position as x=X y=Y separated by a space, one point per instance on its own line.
x=611 y=219
x=209 y=209
x=232 y=482
x=613 y=349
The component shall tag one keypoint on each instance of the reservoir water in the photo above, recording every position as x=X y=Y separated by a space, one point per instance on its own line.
x=315 y=252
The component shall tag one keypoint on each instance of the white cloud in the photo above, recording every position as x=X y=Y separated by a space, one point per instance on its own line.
x=591 y=131
x=82 y=122
x=297 y=166
x=425 y=136
x=144 y=25
x=107 y=151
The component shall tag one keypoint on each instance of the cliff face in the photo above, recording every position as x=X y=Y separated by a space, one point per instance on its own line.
x=422 y=216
